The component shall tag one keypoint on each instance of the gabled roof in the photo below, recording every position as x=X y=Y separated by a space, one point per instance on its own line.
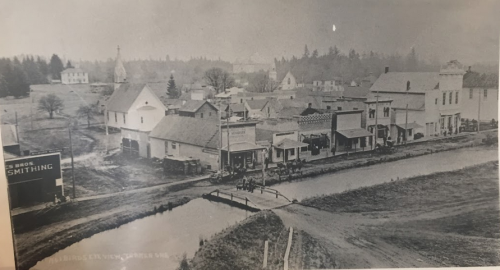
x=396 y=81
x=9 y=136
x=73 y=70
x=476 y=80
x=257 y=104
x=399 y=100
x=123 y=98
x=193 y=106
x=356 y=91
x=236 y=107
x=291 y=112
x=187 y=130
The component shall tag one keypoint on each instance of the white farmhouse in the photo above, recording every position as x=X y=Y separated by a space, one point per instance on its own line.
x=74 y=76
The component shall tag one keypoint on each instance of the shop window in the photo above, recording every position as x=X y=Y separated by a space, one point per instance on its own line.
x=292 y=152
x=303 y=149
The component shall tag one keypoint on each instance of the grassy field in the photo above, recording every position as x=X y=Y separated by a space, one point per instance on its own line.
x=449 y=219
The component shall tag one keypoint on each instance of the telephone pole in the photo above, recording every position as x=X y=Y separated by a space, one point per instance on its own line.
x=72 y=162
x=376 y=119
x=406 y=121
x=478 y=108
x=228 y=150
x=220 y=139
x=17 y=132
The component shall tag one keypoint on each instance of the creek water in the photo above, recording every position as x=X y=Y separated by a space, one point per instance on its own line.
x=158 y=242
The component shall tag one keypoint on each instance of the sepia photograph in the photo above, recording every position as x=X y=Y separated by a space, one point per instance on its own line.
x=221 y=135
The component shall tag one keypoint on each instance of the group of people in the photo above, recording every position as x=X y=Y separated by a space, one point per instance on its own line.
x=248 y=184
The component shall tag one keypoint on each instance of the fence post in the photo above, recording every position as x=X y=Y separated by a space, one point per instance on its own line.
x=246 y=201
x=261 y=190
x=276 y=194
x=264 y=265
x=231 y=196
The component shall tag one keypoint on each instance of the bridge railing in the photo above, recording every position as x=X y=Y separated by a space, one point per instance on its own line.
x=272 y=191
x=245 y=199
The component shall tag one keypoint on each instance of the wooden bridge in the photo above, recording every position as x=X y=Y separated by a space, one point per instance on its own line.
x=260 y=199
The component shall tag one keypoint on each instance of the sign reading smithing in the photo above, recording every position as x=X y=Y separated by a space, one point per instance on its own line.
x=33 y=168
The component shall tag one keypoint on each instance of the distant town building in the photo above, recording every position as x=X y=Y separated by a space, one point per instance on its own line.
x=327 y=83
x=74 y=76
x=135 y=110
x=201 y=109
x=480 y=95
x=241 y=97
x=434 y=98
x=289 y=82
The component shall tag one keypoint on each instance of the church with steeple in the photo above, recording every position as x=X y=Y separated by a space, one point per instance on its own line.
x=120 y=72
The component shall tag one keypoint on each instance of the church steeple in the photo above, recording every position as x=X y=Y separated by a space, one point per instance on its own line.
x=120 y=73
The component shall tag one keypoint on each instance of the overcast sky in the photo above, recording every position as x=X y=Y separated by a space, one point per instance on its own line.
x=91 y=29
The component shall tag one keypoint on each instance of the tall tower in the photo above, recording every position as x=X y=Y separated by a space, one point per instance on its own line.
x=120 y=73
x=272 y=72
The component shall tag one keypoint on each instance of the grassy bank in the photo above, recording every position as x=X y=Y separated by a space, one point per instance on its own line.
x=242 y=247
x=450 y=219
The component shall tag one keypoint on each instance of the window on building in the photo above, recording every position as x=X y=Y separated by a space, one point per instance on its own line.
x=450 y=98
x=278 y=153
x=485 y=93
x=166 y=147
x=241 y=100
x=436 y=101
x=339 y=108
x=174 y=145
x=456 y=97
x=328 y=107
x=289 y=81
x=210 y=114
x=386 y=111
x=470 y=93
x=410 y=131
x=303 y=149
x=201 y=115
x=107 y=113
x=444 y=98
x=142 y=120
x=116 y=118
x=354 y=108
x=292 y=152
x=124 y=119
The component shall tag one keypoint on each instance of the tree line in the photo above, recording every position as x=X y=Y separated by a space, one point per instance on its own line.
x=349 y=66
x=17 y=75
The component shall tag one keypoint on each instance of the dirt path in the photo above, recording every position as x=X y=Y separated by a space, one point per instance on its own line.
x=338 y=233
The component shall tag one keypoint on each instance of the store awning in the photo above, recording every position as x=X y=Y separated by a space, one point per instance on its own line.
x=354 y=133
x=409 y=126
x=290 y=144
x=243 y=147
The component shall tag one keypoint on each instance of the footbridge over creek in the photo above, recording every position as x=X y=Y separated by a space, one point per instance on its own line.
x=261 y=198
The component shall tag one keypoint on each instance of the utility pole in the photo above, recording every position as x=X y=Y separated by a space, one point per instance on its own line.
x=406 y=121
x=376 y=119
x=72 y=162
x=17 y=132
x=478 y=108
x=228 y=150
x=220 y=139
x=31 y=109
x=106 y=112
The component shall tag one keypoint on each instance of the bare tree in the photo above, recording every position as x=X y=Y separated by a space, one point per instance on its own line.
x=50 y=103
x=219 y=79
x=87 y=112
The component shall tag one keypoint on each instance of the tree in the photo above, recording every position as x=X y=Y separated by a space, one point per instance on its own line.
x=4 y=91
x=171 y=88
x=219 y=79
x=315 y=54
x=306 y=52
x=87 y=112
x=56 y=67
x=16 y=79
x=50 y=103
x=184 y=264
x=69 y=65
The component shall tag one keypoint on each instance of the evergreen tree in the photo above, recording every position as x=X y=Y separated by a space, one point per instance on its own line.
x=16 y=79
x=69 y=65
x=43 y=67
x=32 y=71
x=4 y=91
x=306 y=52
x=315 y=54
x=56 y=67
x=171 y=88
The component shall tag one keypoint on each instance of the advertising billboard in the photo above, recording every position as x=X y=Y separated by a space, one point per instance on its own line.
x=31 y=168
